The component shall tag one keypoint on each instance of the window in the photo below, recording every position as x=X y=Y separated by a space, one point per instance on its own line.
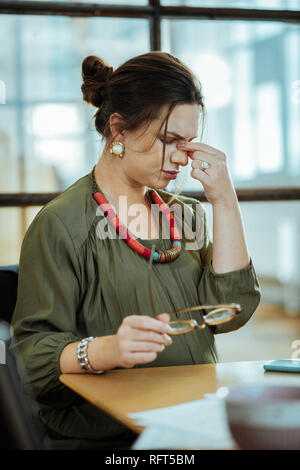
x=44 y=110
x=47 y=136
x=250 y=74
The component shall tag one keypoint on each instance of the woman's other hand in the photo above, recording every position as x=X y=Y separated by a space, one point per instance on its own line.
x=215 y=179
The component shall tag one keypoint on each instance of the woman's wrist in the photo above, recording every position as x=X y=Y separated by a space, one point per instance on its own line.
x=102 y=353
x=227 y=202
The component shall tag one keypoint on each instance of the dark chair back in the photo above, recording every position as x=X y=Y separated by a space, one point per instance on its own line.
x=19 y=429
x=8 y=290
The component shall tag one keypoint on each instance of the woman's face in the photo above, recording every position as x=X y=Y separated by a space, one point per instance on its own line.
x=145 y=167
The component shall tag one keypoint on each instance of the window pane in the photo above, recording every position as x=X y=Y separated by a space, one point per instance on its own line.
x=255 y=4
x=47 y=135
x=113 y=2
x=56 y=119
x=53 y=48
x=44 y=112
x=269 y=129
x=11 y=235
x=8 y=56
x=250 y=79
x=9 y=150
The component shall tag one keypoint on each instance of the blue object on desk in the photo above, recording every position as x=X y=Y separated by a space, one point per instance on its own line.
x=283 y=365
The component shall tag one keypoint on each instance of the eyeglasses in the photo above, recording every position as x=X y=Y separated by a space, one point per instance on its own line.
x=220 y=314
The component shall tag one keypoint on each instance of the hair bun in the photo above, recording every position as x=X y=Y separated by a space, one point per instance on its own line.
x=95 y=74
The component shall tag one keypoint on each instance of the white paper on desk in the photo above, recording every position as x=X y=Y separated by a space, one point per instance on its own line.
x=197 y=424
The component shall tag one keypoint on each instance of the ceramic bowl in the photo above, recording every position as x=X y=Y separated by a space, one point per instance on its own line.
x=264 y=417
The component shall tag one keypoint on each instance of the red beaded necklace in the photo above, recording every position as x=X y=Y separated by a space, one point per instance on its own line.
x=163 y=256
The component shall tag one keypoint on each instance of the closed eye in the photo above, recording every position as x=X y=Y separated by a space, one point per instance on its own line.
x=173 y=140
x=168 y=141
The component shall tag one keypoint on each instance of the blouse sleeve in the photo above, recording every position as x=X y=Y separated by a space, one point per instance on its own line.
x=240 y=286
x=44 y=320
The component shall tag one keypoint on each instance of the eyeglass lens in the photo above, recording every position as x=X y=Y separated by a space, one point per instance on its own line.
x=179 y=327
x=218 y=316
x=212 y=318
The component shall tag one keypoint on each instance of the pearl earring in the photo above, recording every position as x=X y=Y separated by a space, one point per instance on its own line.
x=117 y=149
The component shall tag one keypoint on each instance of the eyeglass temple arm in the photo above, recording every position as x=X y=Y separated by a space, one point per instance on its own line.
x=202 y=307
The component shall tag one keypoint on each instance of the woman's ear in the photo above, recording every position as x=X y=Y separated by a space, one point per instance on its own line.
x=115 y=122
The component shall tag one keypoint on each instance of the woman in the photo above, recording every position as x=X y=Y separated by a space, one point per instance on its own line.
x=76 y=283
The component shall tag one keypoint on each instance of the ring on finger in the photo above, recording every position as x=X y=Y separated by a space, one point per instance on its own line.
x=204 y=165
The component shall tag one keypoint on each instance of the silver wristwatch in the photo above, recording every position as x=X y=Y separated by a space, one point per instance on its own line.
x=83 y=357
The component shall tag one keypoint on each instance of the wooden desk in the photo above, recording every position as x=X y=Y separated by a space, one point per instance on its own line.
x=119 y=392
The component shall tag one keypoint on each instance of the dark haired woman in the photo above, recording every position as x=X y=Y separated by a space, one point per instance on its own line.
x=75 y=284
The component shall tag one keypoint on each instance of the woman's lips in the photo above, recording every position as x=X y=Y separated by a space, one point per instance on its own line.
x=170 y=174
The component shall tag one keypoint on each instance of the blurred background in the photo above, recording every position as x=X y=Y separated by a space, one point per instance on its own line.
x=248 y=62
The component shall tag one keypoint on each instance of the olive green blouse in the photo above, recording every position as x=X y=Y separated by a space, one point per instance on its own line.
x=74 y=283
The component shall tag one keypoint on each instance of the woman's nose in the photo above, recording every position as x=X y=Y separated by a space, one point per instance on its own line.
x=179 y=156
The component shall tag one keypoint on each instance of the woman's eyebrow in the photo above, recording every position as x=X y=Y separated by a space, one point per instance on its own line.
x=180 y=136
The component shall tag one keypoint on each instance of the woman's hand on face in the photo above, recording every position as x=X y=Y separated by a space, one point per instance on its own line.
x=215 y=179
x=140 y=338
